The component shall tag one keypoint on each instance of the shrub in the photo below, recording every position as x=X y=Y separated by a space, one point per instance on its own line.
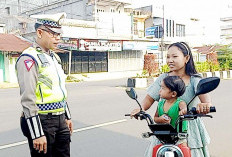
x=225 y=57
x=72 y=79
x=165 y=68
x=144 y=74
x=202 y=66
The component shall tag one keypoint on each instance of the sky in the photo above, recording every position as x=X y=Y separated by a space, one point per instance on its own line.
x=208 y=11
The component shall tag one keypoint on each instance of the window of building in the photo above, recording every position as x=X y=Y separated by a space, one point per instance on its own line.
x=167 y=27
x=135 y=27
x=100 y=10
x=137 y=12
x=180 y=30
x=170 y=28
x=173 y=28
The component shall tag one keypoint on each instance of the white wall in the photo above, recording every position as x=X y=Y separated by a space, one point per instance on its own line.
x=114 y=24
x=226 y=30
x=6 y=64
x=79 y=32
x=10 y=73
x=125 y=61
x=1 y=75
x=2 y=30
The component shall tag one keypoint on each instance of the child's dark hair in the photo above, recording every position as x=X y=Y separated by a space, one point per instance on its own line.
x=175 y=83
x=185 y=49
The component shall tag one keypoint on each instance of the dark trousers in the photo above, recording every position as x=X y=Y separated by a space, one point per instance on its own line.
x=56 y=132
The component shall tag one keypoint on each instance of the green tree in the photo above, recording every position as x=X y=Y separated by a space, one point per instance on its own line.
x=225 y=57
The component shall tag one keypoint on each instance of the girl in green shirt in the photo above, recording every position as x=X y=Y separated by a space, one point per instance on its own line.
x=170 y=106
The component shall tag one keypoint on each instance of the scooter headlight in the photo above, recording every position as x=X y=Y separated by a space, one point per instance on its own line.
x=169 y=151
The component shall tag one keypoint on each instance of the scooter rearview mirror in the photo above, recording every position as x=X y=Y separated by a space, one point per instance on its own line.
x=207 y=85
x=131 y=93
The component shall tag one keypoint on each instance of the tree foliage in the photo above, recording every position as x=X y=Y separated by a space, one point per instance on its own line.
x=225 y=57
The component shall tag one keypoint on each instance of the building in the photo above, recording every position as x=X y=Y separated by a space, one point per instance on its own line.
x=10 y=48
x=226 y=30
x=101 y=35
x=206 y=53
x=226 y=24
x=98 y=34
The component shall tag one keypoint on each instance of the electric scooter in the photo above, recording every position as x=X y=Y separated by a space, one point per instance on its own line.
x=167 y=135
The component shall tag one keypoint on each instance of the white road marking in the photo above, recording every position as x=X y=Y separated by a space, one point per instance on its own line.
x=99 y=125
x=74 y=131
x=13 y=145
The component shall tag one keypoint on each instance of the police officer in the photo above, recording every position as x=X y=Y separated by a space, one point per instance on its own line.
x=46 y=118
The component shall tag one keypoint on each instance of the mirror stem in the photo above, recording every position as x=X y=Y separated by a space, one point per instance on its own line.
x=139 y=105
x=190 y=103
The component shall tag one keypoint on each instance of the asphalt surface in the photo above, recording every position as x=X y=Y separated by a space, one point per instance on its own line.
x=105 y=103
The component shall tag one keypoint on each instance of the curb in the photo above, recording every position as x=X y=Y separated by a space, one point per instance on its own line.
x=144 y=82
x=220 y=74
x=4 y=85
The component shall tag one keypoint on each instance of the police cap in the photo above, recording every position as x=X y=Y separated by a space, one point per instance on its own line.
x=50 y=21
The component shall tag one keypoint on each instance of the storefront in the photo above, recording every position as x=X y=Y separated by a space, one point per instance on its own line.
x=88 y=55
x=92 y=55
x=88 y=61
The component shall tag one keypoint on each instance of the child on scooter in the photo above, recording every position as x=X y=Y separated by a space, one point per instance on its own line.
x=170 y=106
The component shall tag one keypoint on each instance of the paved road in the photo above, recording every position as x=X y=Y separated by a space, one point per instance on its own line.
x=105 y=103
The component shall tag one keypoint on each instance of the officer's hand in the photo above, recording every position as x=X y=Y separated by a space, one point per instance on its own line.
x=70 y=126
x=40 y=144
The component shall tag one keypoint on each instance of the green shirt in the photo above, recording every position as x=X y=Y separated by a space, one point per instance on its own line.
x=173 y=113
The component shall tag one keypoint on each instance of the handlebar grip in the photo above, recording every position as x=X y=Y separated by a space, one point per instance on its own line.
x=212 y=109
x=188 y=116
x=127 y=114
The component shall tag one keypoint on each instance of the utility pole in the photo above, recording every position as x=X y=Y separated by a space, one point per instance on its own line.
x=70 y=62
x=162 y=39
x=95 y=15
x=19 y=7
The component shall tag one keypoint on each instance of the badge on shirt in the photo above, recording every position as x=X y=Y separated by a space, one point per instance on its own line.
x=43 y=59
x=29 y=64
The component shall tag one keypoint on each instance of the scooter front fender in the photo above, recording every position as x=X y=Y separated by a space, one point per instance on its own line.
x=155 y=149
x=185 y=151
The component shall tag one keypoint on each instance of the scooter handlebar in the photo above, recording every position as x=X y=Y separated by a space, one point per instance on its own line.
x=212 y=109
x=193 y=113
